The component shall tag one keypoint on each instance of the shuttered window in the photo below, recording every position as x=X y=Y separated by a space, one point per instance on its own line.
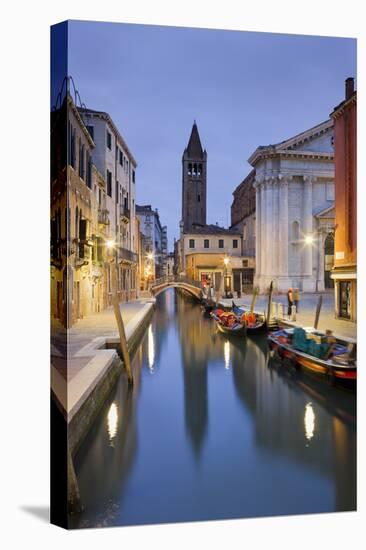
x=82 y=236
x=109 y=183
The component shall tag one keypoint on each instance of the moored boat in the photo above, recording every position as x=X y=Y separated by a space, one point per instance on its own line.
x=315 y=352
x=253 y=321
x=227 y=323
x=208 y=305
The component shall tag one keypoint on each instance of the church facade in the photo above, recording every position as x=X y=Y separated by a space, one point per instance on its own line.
x=294 y=234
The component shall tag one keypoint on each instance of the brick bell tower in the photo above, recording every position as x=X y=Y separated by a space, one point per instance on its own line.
x=194 y=171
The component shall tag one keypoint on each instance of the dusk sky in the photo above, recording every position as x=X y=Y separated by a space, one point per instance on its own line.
x=244 y=89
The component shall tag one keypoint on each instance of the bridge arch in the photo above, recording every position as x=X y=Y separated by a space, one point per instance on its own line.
x=193 y=290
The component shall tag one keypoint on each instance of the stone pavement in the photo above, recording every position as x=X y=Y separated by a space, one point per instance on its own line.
x=102 y=324
x=85 y=366
x=306 y=313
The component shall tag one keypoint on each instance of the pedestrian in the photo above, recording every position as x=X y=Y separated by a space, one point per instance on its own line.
x=296 y=299
x=290 y=301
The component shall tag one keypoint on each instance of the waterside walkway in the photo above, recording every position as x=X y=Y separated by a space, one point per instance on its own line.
x=80 y=360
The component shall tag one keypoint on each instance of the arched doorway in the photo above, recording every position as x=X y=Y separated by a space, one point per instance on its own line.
x=328 y=260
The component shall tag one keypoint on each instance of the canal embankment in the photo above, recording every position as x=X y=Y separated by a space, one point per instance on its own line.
x=342 y=329
x=86 y=364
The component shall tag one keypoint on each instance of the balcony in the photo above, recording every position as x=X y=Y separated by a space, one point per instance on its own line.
x=124 y=213
x=103 y=216
x=127 y=255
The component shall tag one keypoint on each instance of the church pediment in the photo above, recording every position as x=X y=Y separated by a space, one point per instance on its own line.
x=316 y=141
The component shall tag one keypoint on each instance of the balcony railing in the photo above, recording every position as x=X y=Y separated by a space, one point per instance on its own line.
x=125 y=254
x=103 y=216
x=124 y=213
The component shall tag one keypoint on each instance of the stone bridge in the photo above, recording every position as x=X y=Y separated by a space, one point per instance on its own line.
x=190 y=286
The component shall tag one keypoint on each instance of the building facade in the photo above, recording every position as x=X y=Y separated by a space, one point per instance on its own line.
x=154 y=243
x=209 y=254
x=344 y=272
x=243 y=219
x=89 y=261
x=115 y=162
x=294 y=183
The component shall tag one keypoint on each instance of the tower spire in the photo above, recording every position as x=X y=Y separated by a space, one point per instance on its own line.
x=194 y=147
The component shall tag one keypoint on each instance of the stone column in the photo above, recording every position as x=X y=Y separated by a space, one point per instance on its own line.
x=307 y=264
x=275 y=227
x=269 y=229
x=283 y=231
x=258 y=224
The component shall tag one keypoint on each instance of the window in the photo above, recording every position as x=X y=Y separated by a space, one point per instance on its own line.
x=88 y=170
x=73 y=146
x=117 y=189
x=198 y=198
x=206 y=243
x=330 y=191
x=109 y=140
x=245 y=263
x=235 y=243
x=91 y=131
x=191 y=243
x=221 y=243
x=295 y=231
x=81 y=160
x=120 y=157
x=199 y=169
x=133 y=176
x=109 y=183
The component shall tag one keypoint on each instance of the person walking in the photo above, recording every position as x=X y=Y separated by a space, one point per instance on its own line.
x=296 y=299
x=290 y=301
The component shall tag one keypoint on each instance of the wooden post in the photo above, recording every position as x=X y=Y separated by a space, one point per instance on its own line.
x=269 y=308
x=122 y=340
x=317 y=313
x=73 y=495
x=255 y=294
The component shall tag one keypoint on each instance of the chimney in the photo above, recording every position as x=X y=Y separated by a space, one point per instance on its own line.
x=350 y=86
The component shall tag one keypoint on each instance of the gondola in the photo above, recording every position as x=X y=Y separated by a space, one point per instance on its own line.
x=253 y=327
x=236 y=329
x=208 y=305
x=307 y=349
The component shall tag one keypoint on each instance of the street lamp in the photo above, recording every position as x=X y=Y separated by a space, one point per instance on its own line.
x=309 y=239
x=110 y=243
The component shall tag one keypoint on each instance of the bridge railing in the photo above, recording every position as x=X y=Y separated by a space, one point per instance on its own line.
x=177 y=279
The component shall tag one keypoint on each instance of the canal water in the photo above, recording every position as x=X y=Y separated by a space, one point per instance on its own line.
x=214 y=429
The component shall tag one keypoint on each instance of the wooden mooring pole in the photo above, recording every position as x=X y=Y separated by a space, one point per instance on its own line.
x=317 y=312
x=269 y=307
x=254 y=299
x=122 y=340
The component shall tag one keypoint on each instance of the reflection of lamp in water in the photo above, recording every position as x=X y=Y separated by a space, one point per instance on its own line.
x=309 y=421
x=227 y=354
x=151 y=348
x=112 y=421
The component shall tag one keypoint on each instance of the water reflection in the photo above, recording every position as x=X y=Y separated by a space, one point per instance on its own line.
x=309 y=421
x=219 y=431
x=227 y=354
x=151 y=348
x=112 y=422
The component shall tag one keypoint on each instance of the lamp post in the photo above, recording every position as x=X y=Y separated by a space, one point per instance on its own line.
x=226 y=277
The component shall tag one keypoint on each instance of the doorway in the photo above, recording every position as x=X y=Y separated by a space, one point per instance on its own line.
x=328 y=260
